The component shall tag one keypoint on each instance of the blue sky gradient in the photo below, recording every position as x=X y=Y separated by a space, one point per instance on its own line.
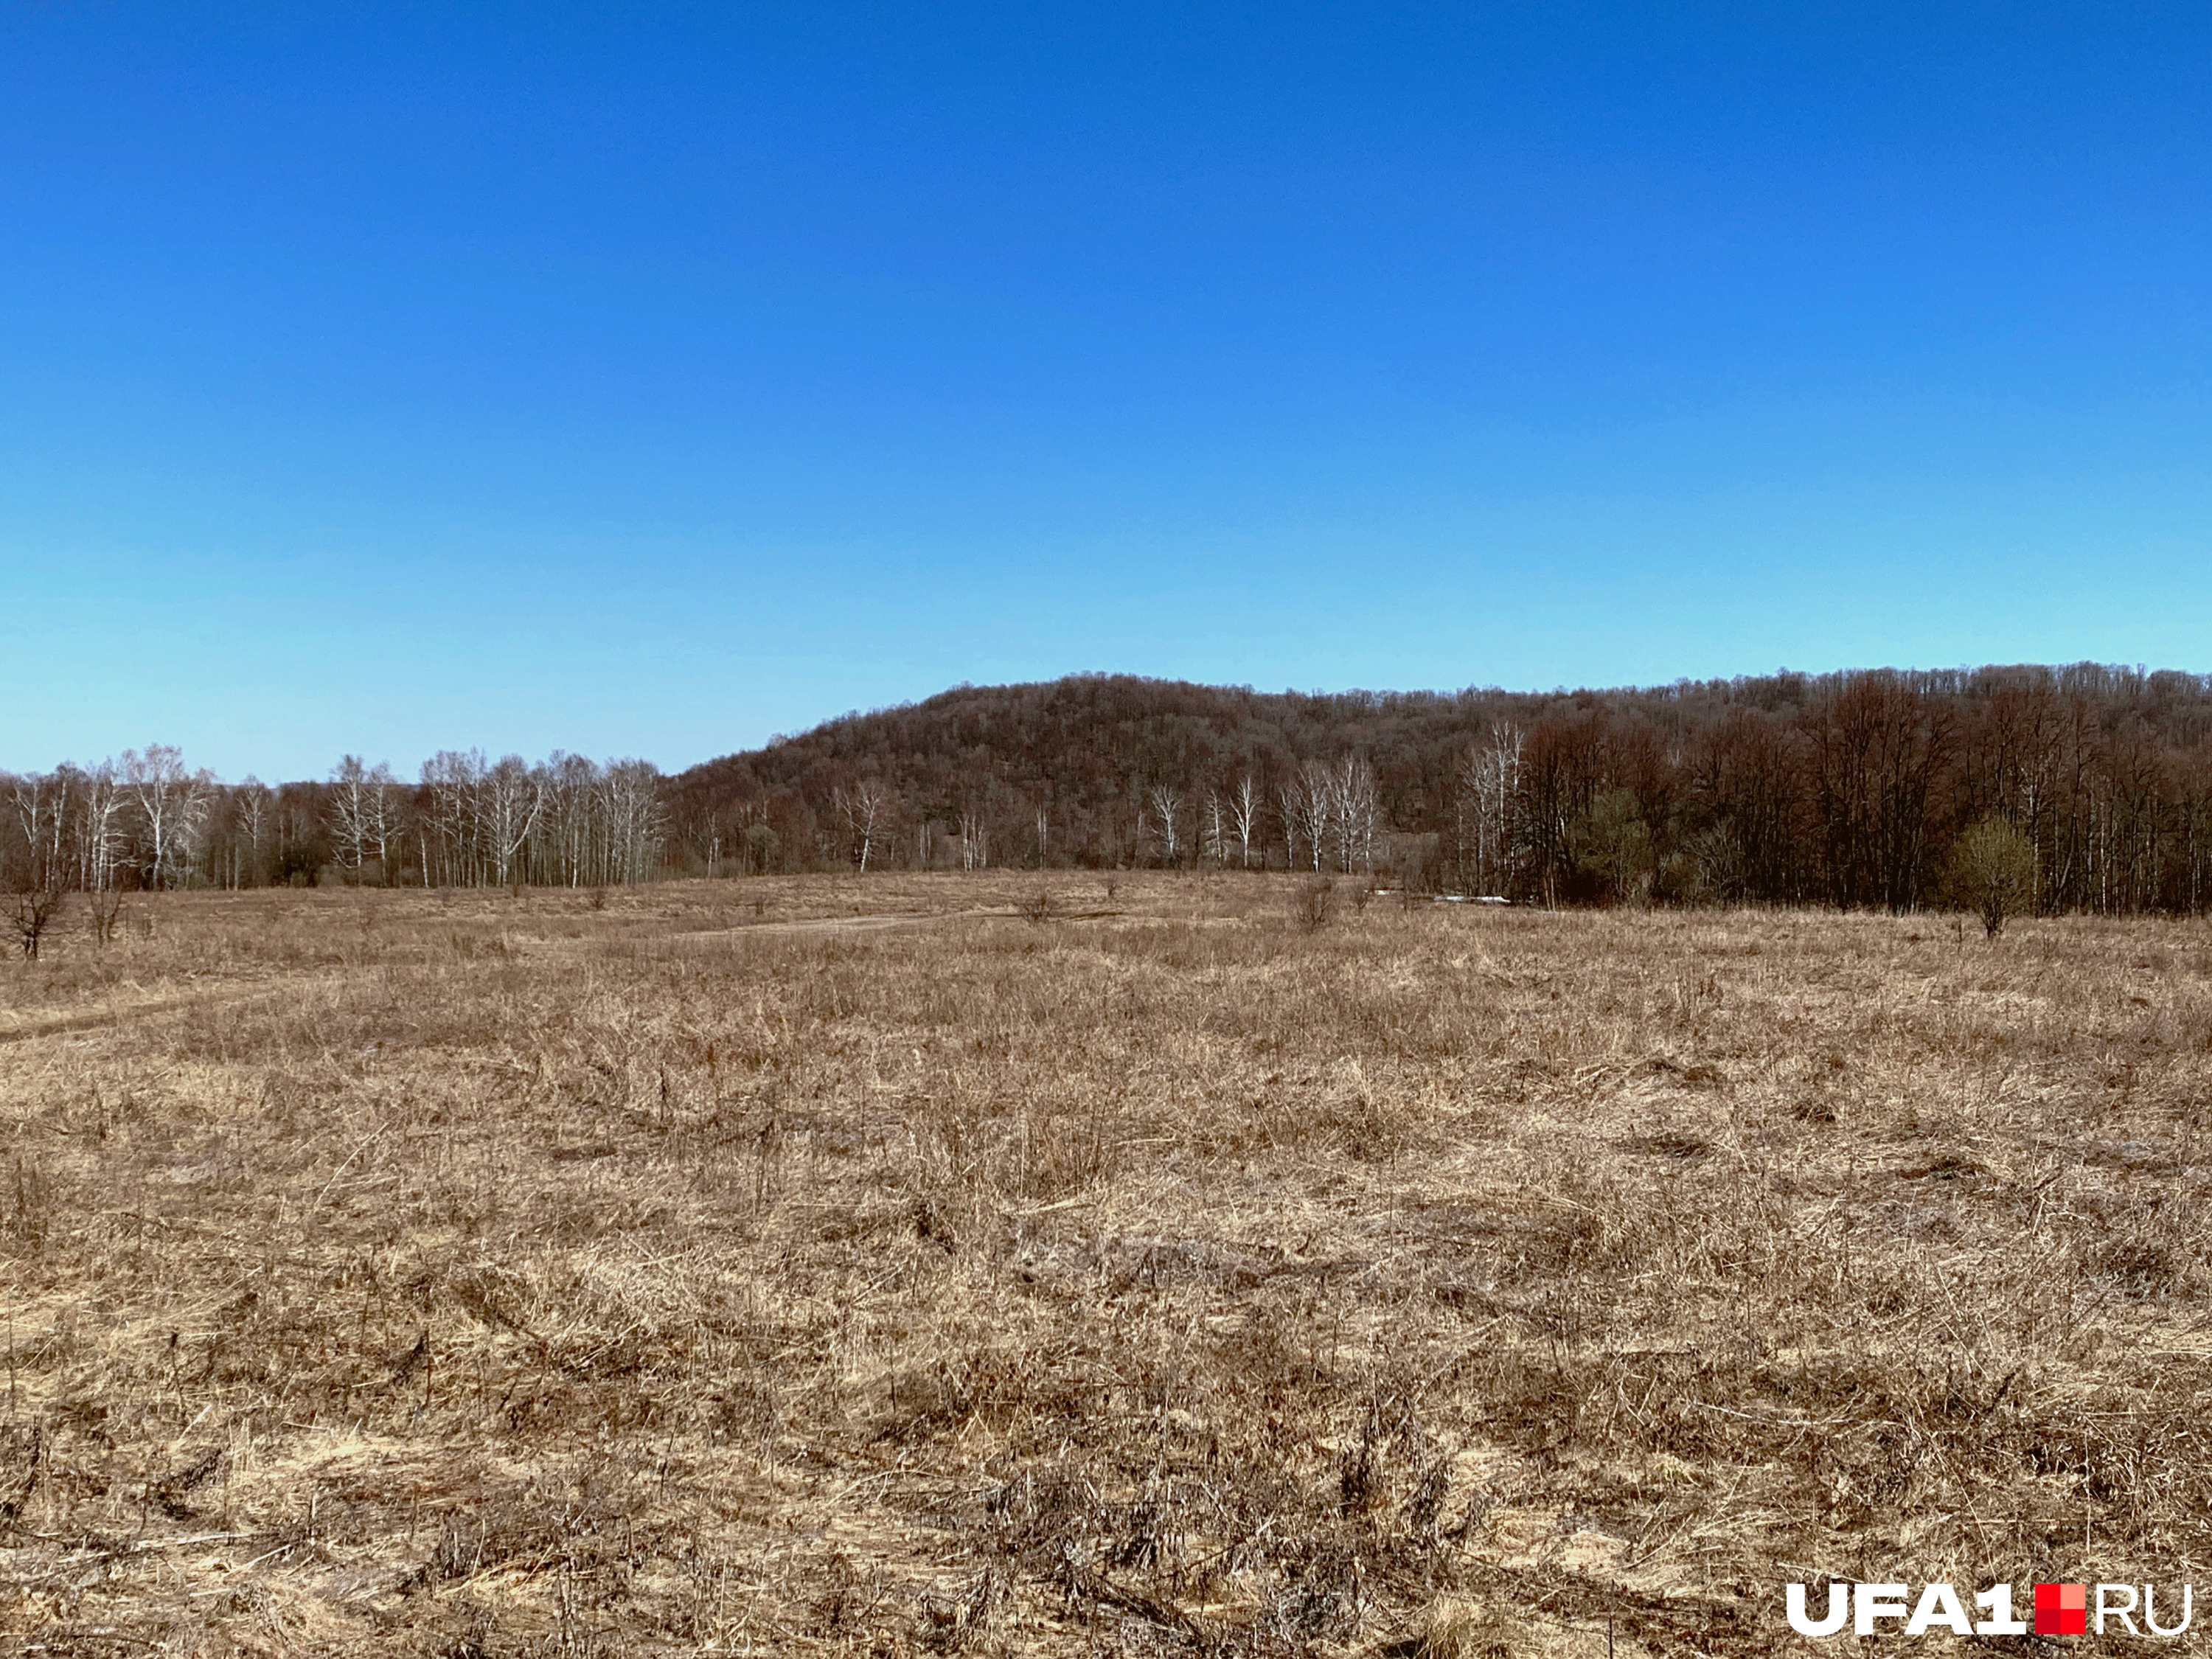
x=650 y=380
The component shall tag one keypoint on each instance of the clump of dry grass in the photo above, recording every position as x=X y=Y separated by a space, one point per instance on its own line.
x=904 y=1265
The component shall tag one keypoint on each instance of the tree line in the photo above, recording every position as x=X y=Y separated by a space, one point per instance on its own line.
x=1848 y=789
x=1857 y=789
x=145 y=820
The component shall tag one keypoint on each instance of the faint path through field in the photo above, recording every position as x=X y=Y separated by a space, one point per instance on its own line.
x=20 y=1025
x=17 y=1026
x=877 y=923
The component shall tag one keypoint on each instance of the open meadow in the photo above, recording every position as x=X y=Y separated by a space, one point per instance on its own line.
x=886 y=1266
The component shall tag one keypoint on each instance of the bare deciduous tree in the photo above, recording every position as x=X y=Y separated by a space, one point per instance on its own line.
x=171 y=803
x=104 y=905
x=862 y=805
x=1307 y=814
x=381 y=819
x=513 y=796
x=33 y=876
x=253 y=805
x=99 y=828
x=1244 y=818
x=633 y=823
x=975 y=839
x=1355 y=812
x=351 y=811
x=1290 y=812
x=31 y=910
x=450 y=780
x=42 y=807
x=1164 y=804
x=1486 y=808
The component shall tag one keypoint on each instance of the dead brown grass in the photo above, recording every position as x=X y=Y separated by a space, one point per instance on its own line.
x=903 y=1266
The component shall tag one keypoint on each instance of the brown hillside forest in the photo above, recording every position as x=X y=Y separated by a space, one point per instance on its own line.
x=1854 y=789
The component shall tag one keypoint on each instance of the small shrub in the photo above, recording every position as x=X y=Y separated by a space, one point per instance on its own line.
x=1993 y=872
x=1316 y=900
x=105 y=908
x=30 y=914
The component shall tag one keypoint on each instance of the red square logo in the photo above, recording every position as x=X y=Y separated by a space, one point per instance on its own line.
x=2062 y=1609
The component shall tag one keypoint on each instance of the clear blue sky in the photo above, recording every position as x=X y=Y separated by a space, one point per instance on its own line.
x=647 y=381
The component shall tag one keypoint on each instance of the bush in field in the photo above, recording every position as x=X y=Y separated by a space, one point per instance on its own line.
x=1316 y=900
x=1993 y=872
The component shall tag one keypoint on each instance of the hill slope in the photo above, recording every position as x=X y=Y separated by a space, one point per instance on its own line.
x=1844 y=788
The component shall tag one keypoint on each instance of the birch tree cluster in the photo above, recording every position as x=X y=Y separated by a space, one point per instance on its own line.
x=565 y=822
x=1331 y=815
x=141 y=820
x=148 y=821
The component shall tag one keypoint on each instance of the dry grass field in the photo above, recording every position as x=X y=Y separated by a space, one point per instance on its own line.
x=861 y=1267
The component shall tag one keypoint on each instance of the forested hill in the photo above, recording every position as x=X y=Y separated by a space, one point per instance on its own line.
x=1843 y=787
x=1086 y=749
